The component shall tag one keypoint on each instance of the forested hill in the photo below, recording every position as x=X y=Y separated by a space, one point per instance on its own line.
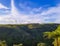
x=23 y=33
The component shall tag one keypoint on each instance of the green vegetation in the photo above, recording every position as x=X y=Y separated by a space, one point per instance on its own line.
x=54 y=35
x=29 y=34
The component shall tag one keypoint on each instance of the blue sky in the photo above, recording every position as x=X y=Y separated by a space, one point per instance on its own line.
x=45 y=4
x=43 y=11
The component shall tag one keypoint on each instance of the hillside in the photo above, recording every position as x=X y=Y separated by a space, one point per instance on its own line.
x=15 y=34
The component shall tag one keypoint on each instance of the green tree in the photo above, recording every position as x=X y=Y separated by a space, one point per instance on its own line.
x=54 y=34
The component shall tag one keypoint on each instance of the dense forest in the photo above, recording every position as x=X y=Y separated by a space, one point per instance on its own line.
x=29 y=34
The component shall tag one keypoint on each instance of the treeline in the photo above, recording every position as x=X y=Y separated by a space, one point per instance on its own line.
x=27 y=34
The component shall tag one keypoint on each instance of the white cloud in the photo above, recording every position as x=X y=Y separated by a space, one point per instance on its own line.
x=53 y=12
x=45 y=16
x=3 y=7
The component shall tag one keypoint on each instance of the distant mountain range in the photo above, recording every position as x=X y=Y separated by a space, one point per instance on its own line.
x=22 y=33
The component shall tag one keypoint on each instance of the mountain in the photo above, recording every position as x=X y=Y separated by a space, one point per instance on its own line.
x=15 y=34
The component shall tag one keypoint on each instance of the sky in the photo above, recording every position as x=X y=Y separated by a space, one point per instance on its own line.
x=29 y=11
